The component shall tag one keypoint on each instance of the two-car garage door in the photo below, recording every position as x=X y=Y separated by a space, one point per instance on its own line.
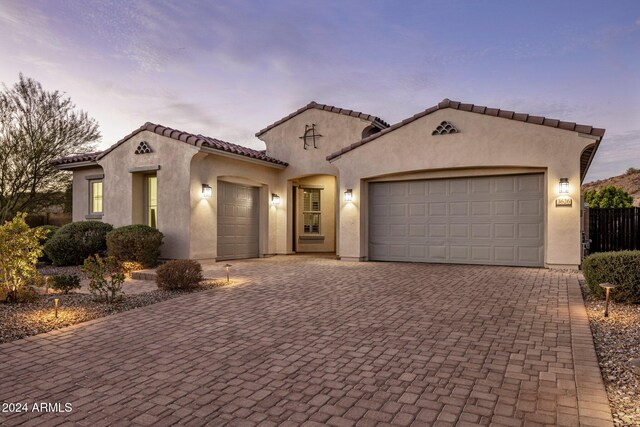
x=478 y=220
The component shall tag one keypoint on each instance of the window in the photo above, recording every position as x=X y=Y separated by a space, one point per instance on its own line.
x=152 y=201
x=95 y=197
x=311 y=211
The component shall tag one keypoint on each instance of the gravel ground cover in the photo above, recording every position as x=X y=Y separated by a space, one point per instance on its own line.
x=617 y=341
x=23 y=320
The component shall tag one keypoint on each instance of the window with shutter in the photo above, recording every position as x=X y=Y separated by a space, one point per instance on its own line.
x=311 y=211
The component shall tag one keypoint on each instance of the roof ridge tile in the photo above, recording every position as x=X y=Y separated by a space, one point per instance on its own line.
x=376 y=121
x=478 y=109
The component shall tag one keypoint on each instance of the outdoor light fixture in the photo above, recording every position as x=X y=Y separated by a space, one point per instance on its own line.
x=275 y=199
x=348 y=195
x=227 y=267
x=206 y=191
x=608 y=287
x=55 y=306
x=564 y=186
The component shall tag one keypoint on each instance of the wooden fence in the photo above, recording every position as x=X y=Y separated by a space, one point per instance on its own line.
x=614 y=229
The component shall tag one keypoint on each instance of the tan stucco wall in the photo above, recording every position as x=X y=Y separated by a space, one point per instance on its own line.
x=209 y=169
x=80 y=198
x=283 y=143
x=174 y=158
x=494 y=144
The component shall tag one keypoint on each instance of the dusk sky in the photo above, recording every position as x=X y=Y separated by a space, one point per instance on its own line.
x=228 y=69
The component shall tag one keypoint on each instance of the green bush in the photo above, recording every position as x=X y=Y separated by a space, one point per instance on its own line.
x=619 y=268
x=135 y=243
x=64 y=283
x=50 y=230
x=108 y=288
x=179 y=274
x=74 y=242
x=608 y=197
x=19 y=253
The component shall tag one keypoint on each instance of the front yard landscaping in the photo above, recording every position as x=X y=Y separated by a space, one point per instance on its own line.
x=617 y=342
x=37 y=317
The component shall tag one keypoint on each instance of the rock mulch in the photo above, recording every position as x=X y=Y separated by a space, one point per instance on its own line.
x=23 y=320
x=617 y=341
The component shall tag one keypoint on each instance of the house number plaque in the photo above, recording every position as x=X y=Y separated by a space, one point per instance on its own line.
x=564 y=201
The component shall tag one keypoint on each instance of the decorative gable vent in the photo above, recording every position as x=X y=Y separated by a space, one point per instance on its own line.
x=143 y=148
x=445 y=128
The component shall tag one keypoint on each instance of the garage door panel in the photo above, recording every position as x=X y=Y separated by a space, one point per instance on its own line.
x=417 y=188
x=505 y=253
x=504 y=231
x=484 y=220
x=459 y=187
x=459 y=208
x=529 y=184
x=238 y=226
x=458 y=253
x=398 y=209
x=481 y=186
x=480 y=208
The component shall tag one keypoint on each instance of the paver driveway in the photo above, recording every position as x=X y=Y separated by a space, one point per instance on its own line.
x=315 y=341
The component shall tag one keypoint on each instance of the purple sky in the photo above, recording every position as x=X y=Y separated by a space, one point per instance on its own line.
x=228 y=69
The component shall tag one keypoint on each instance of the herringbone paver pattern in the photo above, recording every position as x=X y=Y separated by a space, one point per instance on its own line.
x=313 y=341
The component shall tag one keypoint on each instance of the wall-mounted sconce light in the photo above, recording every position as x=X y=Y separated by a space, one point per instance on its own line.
x=206 y=191
x=275 y=199
x=348 y=195
x=564 y=186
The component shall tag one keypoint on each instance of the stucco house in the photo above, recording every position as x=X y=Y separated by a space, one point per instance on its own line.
x=456 y=183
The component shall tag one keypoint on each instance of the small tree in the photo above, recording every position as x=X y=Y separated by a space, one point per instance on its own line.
x=20 y=249
x=608 y=197
x=37 y=126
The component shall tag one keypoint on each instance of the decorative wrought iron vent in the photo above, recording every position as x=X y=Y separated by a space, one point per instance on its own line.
x=310 y=136
x=445 y=128
x=143 y=148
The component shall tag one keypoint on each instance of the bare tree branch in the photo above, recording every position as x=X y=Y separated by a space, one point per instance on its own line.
x=37 y=126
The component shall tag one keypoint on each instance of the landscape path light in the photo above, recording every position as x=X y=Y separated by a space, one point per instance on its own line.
x=608 y=287
x=227 y=267
x=55 y=306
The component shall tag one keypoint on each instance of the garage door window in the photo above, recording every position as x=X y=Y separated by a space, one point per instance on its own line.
x=311 y=212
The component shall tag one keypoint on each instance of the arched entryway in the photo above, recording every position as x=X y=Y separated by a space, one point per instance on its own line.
x=313 y=214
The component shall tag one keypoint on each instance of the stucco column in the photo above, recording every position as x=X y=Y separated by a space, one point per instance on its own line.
x=351 y=236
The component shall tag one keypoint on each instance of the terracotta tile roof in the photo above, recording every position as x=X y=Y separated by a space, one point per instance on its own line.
x=188 y=138
x=376 y=121
x=86 y=157
x=496 y=112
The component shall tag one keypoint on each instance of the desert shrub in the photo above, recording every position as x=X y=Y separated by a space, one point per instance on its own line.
x=608 y=197
x=50 y=230
x=19 y=253
x=74 y=242
x=105 y=277
x=64 y=283
x=632 y=170
x=179 y=274
x=135 y=243
x=619 y=268
x=129 y=267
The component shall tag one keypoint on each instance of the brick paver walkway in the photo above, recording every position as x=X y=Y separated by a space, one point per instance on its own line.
x=314 y=341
